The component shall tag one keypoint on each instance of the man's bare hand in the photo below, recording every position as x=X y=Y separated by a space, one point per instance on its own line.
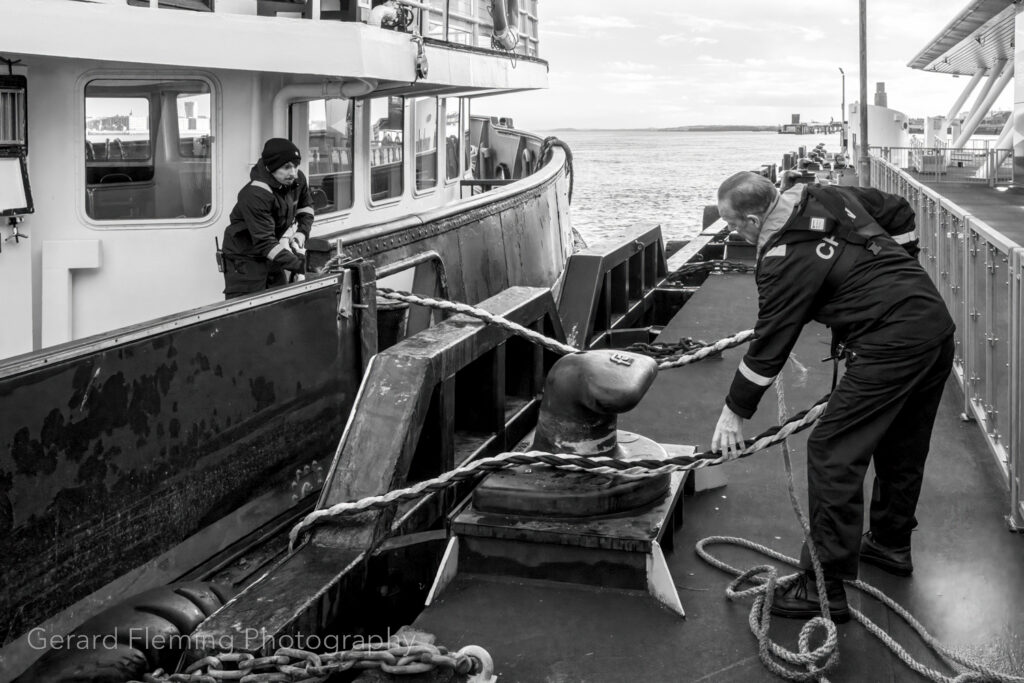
x=728 y=436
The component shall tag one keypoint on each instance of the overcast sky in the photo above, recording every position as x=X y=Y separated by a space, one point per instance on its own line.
x=661 y=63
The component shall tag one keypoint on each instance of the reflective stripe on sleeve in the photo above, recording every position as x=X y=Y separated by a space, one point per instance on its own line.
x=750 y=375
x=906 y=237
x=262 y=185
x=278 y=248
x=306 y=209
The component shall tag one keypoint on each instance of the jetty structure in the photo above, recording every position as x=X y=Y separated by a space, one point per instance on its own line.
x=798 y=127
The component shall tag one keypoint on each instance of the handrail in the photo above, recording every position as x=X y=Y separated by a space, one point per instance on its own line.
x=473 y=28
x=980 y=274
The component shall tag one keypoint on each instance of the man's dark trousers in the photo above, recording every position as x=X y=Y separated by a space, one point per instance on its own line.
x=882 y=407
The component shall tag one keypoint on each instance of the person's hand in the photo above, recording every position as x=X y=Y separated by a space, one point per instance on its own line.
x=728 y=436
x=298 y=243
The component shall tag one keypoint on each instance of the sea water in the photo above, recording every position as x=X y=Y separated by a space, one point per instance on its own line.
x=629 y=177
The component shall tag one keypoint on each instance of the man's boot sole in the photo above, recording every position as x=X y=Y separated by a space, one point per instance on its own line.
x=886 y=564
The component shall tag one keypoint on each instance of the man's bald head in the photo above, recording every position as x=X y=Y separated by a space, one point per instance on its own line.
x=747 y=193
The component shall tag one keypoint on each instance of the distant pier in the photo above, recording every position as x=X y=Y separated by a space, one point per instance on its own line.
x=810 y=128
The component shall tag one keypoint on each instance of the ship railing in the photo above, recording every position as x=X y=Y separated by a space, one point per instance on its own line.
x=464 y=22
x=943 y=164
x=980 y=274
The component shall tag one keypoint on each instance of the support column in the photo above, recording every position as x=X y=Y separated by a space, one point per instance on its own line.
x=1005 y=140
x=993 y=76
x=60 y=257
x=955 y=109
x=982 y=108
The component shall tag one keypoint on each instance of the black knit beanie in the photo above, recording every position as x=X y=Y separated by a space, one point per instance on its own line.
x=278 y=152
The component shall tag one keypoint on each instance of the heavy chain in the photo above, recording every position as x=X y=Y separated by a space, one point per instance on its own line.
x=291 y=665
x=662 y=351
x=710 y=267
x=579 y=463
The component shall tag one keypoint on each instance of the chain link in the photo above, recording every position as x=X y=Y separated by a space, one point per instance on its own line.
x=292 y=665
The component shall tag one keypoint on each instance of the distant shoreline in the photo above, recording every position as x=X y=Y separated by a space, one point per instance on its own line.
x=726 y=128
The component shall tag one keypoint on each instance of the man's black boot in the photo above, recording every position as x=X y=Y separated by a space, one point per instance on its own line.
x=893 y=560
x=800 y=600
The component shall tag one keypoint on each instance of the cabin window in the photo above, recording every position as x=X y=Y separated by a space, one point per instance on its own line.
x=387 y=126
x=148 y=149
x=330 y=154
x=13 y=113
x=466 y=161
x=425 y=109
x=452 y=139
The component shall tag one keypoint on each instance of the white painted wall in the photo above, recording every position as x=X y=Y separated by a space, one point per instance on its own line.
x=886 y=128
x=151 y=269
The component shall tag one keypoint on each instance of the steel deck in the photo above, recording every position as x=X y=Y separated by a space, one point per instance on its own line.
x=967 y=588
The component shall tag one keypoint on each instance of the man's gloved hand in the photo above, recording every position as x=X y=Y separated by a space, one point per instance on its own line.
x=728 y=436
x=297 y=243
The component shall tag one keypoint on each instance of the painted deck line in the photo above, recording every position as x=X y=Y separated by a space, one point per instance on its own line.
x=966 y=589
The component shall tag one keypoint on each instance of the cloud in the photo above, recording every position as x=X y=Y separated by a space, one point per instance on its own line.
x=589 y=25
x=631 y=67
x=673 y=38
x=715 y=61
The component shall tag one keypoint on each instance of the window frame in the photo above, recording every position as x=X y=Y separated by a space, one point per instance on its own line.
x=462 y=171
x=416 y=191
x=215 y=216
x=353 y=105
x=368 y=166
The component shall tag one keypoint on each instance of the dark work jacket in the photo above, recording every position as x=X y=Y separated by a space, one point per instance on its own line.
x=263 y=213
x=886 y=307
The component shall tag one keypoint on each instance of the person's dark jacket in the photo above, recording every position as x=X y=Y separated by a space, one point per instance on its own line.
x=263 y=213
x=886 y=306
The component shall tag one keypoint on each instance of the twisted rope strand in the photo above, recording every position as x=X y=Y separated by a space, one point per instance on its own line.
x=547 y=342
x=594 y=465
x=488 y=317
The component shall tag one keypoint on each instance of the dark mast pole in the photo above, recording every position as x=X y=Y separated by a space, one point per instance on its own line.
x=865 y=164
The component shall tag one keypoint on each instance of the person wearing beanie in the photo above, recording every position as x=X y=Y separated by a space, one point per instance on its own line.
x=270 y=223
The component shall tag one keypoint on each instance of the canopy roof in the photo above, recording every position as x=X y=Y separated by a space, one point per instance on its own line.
x=977 y=38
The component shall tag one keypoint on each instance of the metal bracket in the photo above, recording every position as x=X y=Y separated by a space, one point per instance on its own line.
x=16 y=235
x=345 y=307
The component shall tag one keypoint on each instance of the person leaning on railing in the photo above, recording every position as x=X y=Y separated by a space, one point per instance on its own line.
x=846 y=258
x=269 y=224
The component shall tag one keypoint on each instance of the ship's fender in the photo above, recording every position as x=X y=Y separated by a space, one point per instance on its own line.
x=123 y=642
x=505 y=17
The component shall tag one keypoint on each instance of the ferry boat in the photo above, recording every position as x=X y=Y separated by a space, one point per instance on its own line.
x=595 y=583
x=148 y=426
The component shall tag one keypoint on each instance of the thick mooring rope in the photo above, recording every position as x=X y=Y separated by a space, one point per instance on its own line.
x=546 y=342
x=580 y=463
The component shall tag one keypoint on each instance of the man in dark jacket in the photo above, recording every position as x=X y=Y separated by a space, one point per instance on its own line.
x=261 y=243
x=823 y=254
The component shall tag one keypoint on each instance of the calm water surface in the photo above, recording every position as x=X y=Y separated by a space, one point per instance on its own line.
x=626 y=177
